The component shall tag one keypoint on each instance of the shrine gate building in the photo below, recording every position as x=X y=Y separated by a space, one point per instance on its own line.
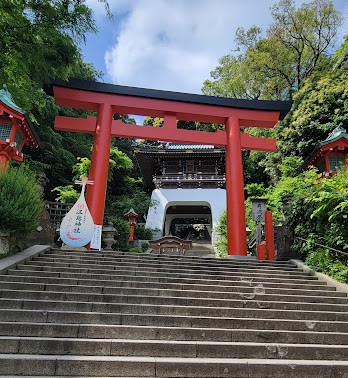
x=187 y=182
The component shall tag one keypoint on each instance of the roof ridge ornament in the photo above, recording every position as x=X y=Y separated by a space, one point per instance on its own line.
x=336 y=133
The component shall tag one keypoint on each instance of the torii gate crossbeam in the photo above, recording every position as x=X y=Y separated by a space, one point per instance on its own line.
x=107 y=99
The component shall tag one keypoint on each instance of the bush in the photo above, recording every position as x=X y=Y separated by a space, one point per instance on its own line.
x=21 y=201
x=145 y=246
x=122 y=233
x=143 y=233
x=221 y=228
x=323 y=261
x=135 y=250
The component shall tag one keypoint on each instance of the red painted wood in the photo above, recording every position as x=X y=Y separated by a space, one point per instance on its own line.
x=236 y=229
x=77 y=125
x=269 y=232
x=168 y=132
x=249 y=142
x=131 y=233
x=123 y=104
x=261 y=251
x=98 y=172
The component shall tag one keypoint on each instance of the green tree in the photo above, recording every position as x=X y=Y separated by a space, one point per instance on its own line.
x=274 y=66
x=307 y=32
x=38 y=42
x=319 y=107
x=119 y=165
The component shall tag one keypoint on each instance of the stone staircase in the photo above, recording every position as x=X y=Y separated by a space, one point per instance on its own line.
x=68 y=313
x=201 y=248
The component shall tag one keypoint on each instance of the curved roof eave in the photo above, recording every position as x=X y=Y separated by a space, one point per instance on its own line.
x=268 y=105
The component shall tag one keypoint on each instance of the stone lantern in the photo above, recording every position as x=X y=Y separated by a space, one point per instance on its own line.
x=109 y=236
x=132 y=218
x=16 y=130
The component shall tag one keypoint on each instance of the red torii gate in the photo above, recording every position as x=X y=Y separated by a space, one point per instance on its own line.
x=108 y=99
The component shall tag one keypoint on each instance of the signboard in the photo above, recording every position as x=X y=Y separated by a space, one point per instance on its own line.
x=258 y=209
x=96 y=238
x=77 y=227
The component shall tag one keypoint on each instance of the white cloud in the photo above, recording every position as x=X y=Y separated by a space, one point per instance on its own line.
x=174 y=44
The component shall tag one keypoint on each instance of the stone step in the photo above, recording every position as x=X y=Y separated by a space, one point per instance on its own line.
x=261 y=309
x=165 y=348
x=102 y=331
x=156 y=320
x=171 y=268
x=147 y=256
x=251 y=288
x=167 y=272
x=317 y=285
x=119 y=314
x=209 y=263
x=175 y=265
x=165 y=296
x=245 y=300
x=203 y=253
x=221 y=298
x=24 y=364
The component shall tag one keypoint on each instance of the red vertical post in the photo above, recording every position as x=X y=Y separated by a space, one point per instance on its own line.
x=269 y=231
x=236 y=225
x=261 y=251
x=98 y=172
x=131 y=233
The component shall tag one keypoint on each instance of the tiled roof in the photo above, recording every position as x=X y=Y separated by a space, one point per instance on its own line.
x=174 y=146
x=6 y=98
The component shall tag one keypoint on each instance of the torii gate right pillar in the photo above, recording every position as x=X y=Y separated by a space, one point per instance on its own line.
x=235 y=208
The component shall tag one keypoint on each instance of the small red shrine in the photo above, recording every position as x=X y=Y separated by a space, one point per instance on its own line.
x=331 y=154
x=132 y=218
x=16 y=130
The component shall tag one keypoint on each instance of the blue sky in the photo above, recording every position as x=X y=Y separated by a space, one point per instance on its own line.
x=172 y=44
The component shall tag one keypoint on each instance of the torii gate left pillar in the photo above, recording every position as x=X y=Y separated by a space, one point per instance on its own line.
x=106 y=100
x=98 y=172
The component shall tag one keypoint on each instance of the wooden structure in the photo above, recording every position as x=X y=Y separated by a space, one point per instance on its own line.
x=171 y=244
x=16 y=130
x=174 y=172
x=331 y=154
x=185 y=166
x=107 y=100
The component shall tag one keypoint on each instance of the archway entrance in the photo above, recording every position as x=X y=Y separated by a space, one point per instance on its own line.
x=192 y=222
x=191 y=228
x=107 y=100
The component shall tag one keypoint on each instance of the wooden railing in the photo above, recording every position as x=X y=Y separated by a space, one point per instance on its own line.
x=189 y=178
x=171 y=244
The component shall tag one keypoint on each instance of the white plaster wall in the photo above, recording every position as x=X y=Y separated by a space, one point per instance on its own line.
x=162 y=199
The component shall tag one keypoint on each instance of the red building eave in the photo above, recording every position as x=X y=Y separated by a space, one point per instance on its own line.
x=31 y=138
